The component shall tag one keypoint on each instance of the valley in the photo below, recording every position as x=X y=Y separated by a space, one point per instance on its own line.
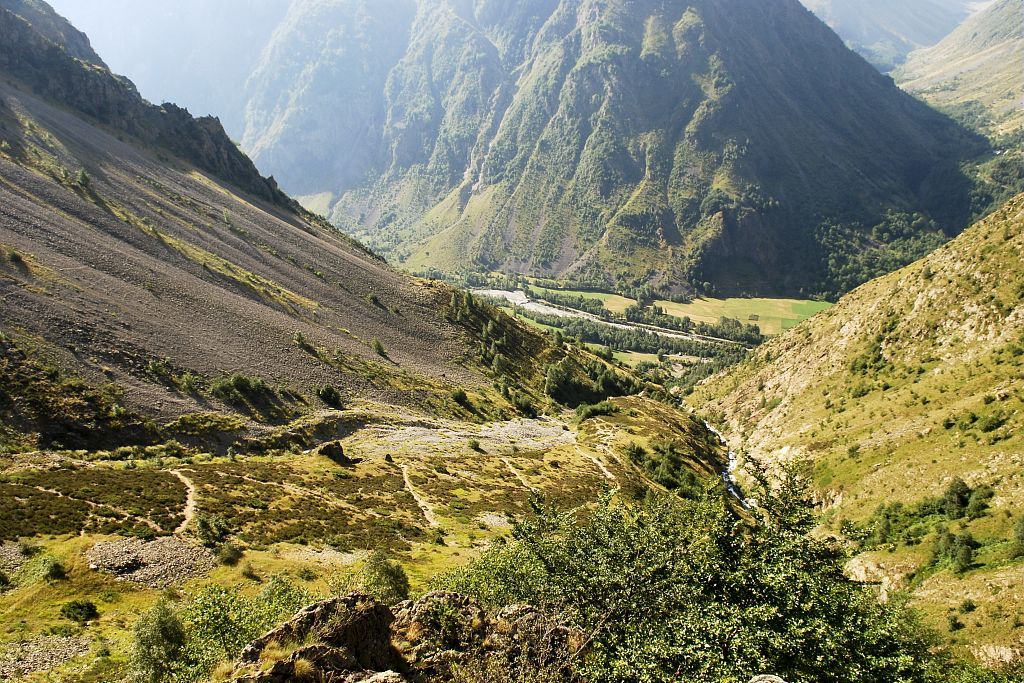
x=600 y=341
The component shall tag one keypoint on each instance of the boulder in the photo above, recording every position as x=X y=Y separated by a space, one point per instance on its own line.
x=352 y=637
x=335 y=452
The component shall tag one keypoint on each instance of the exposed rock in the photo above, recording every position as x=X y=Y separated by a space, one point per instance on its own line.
x=158 y=563
x=40 y=654
x=335 y=452
x=355 y=639
x=27 y=54
x=352 y=643
x=11 y=558
x=438 y=630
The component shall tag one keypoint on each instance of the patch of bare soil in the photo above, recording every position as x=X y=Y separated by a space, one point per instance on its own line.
x=159 y=563
x=40 y=654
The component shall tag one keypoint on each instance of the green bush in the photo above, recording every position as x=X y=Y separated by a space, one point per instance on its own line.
x=230 y=555
x=587 y=411
x=1017 y=549
x=378 y=348
x=384 y=579
x=687 y=590
x=157 y=643
x=52 y=570
x=330 y=396
x=212 y=530
x=79 y=611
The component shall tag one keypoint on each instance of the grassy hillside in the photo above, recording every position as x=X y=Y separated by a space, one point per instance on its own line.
x=610 y=143
x=975 y=72
x=910 y=383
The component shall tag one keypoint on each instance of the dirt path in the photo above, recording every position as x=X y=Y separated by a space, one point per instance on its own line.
x=601 y=466
x=190 y=501
x=517 y=474
x=428 y=512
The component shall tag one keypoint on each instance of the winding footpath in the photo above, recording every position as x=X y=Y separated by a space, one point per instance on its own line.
x=190 y=501
x=428 y=512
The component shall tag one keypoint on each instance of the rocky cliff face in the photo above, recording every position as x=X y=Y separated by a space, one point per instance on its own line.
x=54 y=28
x=89 y=88
x=600 y=140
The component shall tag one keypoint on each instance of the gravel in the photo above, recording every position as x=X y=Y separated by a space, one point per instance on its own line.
x=159 y=563
x=40 y=654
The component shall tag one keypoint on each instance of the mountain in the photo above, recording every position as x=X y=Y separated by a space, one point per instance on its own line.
x=975 y=72
x=909 y=384
x=197 y=54
x=886 y=32
x=55 y=28
x=146 y=251
x=607 y=142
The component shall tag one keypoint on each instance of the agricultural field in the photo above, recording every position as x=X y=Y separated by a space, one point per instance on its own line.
x=773 y=316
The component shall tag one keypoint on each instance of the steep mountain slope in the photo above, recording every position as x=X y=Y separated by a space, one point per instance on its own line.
x=886 y=32
x=976 y=72
x=605 y=141
x=910 y=382
x=54 y=28
x=195 y=53
x=145 y=244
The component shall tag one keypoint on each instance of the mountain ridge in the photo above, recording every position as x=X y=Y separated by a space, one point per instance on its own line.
x=614 y=145
x=974 y=72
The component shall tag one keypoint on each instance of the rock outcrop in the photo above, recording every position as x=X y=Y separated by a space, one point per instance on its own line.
x=357 y=639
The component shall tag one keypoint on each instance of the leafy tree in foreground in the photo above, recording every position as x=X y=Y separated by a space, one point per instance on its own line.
x=690 y=590
x=159 y=638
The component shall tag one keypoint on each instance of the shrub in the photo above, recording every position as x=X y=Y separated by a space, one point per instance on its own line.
x=955 y=500
x=80 y=611
x=384 y=579
x=587 y=411
x=378 y=348
x=52 y=570
x=1017 y=549
x=686 y=590
x=241 y=388
x=330 y=396
x=26 y=549
x=460 y=397
x=5 y=581
x=302 y=342
x=524 y=405
x=230 y=555
x=158 y=638
x=212 y=530
x=474 y=445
